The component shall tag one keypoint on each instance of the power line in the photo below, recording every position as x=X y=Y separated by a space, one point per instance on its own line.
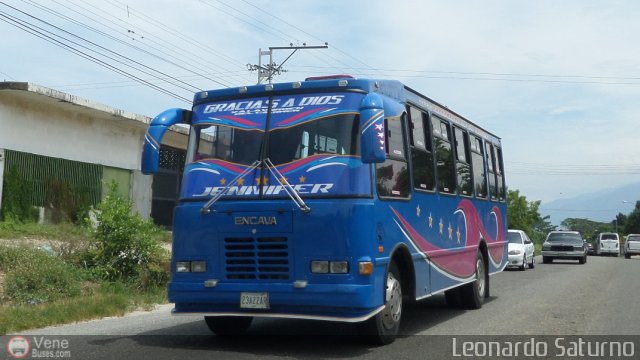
x=108 y=36
x=176 y=33
x=265 y=27
x=192 y=88
x=184 y=38
x=127 y=28
x=312 y=36
x=7 y=75
x=119 y=84
x=491 y=73
x=29 y=28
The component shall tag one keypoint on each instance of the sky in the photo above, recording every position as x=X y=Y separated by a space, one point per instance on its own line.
x=558 y=81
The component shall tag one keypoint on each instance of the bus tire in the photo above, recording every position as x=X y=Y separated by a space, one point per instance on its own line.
x=474 y=293
x=453 y=298
x=228 y=325
x=382 y=328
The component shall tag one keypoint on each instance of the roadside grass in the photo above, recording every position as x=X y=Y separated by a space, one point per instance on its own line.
x=45 y=280
x=68 y=233
x=108 y=300
x=57 y=232
x=537 y=248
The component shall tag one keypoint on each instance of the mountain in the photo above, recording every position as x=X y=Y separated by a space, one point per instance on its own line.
x=601 y=206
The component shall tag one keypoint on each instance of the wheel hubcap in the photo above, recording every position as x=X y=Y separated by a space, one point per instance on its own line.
x=393 y=305
x=480 y=278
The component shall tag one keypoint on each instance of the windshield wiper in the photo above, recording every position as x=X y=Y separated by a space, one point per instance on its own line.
x=293 y=194
x=207 y=207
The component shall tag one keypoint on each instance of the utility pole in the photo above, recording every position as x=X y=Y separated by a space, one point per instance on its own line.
x=268 y=71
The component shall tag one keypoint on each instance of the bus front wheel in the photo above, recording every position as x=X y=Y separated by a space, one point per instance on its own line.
x=228 y=325
x=383 y=327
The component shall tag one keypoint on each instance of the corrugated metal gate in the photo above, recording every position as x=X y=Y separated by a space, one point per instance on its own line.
x=48 y=174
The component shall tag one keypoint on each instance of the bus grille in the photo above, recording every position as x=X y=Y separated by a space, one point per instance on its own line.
x=263 y=258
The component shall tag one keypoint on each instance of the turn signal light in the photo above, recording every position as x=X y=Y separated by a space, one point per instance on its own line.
x=365 y=268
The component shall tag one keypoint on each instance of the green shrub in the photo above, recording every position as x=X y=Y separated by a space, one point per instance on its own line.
x=125 y=245
x=34 y=276
x=67 y=203
x=16 y=197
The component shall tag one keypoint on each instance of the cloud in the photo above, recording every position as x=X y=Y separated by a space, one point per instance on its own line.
x=554 y=79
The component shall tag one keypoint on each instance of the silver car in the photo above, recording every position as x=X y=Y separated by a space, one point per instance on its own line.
x=566 y=245
x=632 y=245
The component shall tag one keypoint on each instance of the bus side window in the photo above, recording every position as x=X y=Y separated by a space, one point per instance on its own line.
x=445 y=167
x=463 y=168
x=491 y=162
x=502 y=196
x=477 y=163
x=421 y=150
x=392 y=176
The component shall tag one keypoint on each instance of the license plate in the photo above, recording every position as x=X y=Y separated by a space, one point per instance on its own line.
x=254 y=300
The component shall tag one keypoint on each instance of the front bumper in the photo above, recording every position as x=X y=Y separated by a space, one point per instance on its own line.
x=515 y=260
x=563 y=254
x=347 y=302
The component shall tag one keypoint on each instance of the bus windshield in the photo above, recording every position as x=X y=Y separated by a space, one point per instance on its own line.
x=332 y=135
x=311 y=139
x=228 y=144
x=335 y=135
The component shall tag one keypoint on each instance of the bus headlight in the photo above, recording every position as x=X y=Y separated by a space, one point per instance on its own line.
x=191 y=266
x=198 y=266
x=183 y=266
x=326 y=267
x=338 y=267
x=319 y=267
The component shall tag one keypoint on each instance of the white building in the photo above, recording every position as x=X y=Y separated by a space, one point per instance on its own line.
x=53 y=137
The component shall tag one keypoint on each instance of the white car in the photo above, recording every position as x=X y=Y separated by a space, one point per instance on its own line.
x=632 y=245
x=520 y=250
x=608 y=244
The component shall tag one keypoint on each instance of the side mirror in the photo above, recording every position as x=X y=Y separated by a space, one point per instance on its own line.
x=372 y=131
x=152 y=139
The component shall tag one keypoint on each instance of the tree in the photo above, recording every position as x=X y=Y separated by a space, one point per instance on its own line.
x=619 y=221
x=588 y=228
x=525 y=215
x=632 y=223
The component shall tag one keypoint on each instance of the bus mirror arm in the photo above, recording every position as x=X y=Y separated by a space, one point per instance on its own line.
x=153 y=137
x=290 y=190
x=207 y=207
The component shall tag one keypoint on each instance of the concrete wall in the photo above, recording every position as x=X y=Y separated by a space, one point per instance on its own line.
x=43 y=121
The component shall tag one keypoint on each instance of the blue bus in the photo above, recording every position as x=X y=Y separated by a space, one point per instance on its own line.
x=333 y=198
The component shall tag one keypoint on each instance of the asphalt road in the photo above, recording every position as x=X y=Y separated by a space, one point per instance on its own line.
x=553 y=300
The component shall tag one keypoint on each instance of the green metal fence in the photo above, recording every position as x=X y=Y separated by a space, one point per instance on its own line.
x=48 y=176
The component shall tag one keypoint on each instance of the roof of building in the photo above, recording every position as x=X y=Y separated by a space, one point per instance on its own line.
x=53 y=96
